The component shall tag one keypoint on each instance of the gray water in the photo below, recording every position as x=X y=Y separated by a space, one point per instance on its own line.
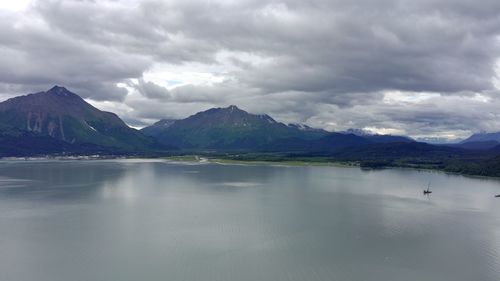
x=158 y=220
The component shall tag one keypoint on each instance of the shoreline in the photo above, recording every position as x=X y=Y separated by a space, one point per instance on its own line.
x=321 y=162
x=304 y=163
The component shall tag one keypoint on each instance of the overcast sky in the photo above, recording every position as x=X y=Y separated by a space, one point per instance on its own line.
x=423 y=68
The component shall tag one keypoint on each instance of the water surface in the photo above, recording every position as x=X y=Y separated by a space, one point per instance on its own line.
x=158 y=220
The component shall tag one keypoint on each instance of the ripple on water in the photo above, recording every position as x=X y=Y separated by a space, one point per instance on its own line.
x=240 y=184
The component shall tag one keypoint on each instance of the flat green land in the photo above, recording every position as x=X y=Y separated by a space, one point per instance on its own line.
x=471 y=167
x=313 y=161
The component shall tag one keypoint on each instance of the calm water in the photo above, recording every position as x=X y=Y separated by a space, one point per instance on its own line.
x=154 y=220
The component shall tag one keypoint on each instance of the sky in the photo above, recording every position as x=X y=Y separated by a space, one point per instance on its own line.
x=429 y=69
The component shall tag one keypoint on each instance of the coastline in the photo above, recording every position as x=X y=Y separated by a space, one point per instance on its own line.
x=229 y=160
x=319 y=163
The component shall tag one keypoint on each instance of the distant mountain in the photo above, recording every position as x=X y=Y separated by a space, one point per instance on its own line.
x=476 y=145
x=64 y=116
x=392 y=151
x=229 y=128
x=338 y=141
x=376 y=138
x=388 y=139
x=357 y=132
x=325 y=144
x=482 y=137
x=438 y=140
x=479 y=141
x=304 y=127
x=158 y=127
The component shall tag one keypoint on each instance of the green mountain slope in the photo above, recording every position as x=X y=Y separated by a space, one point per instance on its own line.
x=228 y=128
x=64 y=116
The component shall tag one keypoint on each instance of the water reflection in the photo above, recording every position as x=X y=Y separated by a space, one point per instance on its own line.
x=154 y=220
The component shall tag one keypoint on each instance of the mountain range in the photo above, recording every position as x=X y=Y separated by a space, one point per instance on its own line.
x=58 y=121
x=233 y=129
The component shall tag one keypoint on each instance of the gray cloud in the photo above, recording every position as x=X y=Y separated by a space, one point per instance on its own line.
x=330 y=63
x=151 y=90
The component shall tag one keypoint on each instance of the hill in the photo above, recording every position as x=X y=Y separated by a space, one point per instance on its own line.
x=228 y=128
x=67 y=119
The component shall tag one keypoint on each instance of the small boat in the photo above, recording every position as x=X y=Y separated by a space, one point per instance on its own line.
x=497 y=195
x=428 y=190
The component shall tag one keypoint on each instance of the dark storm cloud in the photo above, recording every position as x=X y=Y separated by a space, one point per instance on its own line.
x=326 y=62
x=151 y=90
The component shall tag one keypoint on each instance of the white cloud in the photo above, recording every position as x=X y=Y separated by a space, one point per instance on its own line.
x=14 y=5
x=171 y=76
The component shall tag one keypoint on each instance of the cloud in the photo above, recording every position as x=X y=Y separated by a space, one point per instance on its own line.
x=329 y=63
x=151 y=90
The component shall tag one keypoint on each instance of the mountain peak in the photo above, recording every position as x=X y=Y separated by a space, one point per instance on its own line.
x=232 y=108
x=302 y=127
x=358 y=132
x=57 y=88
x=60 y=91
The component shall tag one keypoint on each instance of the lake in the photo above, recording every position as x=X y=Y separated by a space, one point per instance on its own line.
x=160 y=220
